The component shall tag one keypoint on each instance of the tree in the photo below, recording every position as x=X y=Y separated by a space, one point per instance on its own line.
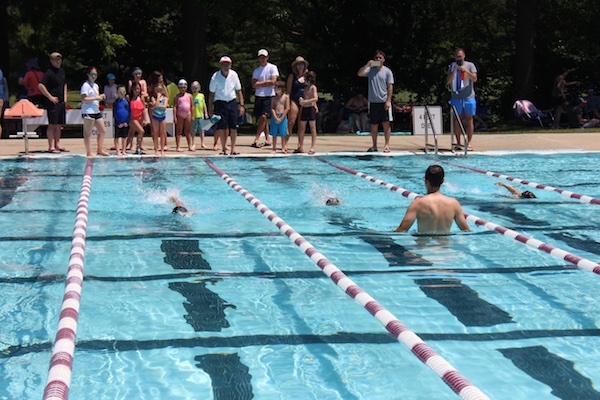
x=524 y=57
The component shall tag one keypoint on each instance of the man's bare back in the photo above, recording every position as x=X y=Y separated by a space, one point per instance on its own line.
x=434 y=212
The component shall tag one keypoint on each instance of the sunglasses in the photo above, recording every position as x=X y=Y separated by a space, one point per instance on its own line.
x=93 y=74
x=122 y=91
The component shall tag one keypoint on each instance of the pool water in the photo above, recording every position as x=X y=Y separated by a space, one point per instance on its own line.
x=221 y=305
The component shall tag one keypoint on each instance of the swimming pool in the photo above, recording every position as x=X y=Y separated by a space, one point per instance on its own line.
x=222 y=305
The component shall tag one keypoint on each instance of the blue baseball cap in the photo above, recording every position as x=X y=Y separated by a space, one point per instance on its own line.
x=110 y=76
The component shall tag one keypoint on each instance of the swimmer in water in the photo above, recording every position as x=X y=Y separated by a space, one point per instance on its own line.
x=179 y=207
x=333 y=201
x=522 y=195
x=434 y=212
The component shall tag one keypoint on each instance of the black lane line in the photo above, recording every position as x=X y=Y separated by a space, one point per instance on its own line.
x=395 y=254
x=184 y=254
x=586 y=243
x=116 y=345
x=230 y=379
x=463 y=302
x=205 y=309
x=553 y=371
x=50 y=279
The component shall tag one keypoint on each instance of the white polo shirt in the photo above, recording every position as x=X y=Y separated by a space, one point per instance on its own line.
x=225 y=88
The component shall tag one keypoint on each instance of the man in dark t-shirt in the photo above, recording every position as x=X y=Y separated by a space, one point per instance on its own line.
x=54 y=87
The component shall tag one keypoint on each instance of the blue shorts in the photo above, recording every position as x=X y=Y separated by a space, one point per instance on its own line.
x=228 y=111
x=465 y=106
x=195 y=128
x=280 y=129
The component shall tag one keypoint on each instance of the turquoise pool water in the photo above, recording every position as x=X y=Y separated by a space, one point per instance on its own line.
x=220 y=305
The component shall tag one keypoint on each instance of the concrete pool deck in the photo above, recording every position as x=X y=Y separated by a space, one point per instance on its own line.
x=482 y=142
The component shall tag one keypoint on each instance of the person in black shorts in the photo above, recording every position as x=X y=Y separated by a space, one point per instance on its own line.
x=308 y=113
x=54 y=87
x=263 y=82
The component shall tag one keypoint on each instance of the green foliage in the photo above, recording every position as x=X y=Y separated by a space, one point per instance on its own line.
x=337 y=37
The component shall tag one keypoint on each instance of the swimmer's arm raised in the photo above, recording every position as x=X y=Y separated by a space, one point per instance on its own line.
x=509 y=188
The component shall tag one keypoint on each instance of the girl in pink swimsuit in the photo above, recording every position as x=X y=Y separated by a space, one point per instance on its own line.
x=137 y=120
x=182 y=115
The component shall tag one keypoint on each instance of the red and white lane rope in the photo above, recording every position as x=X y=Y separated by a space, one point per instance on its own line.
x=61 y=363
x=426 y=354
x=580 y=262
x=582 y=198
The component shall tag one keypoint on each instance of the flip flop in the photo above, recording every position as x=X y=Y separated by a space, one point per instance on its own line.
x=223 y=153
x=64 y=150
x=311 y=152
x=54 y=151
x=386 y=150
x=372 y=150
x=298 y=151
x=235 y=153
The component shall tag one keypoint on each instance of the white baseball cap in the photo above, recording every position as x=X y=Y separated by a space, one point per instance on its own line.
x=263 y=52
x=225 y=59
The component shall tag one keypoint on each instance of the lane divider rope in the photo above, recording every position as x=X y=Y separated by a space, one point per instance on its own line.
x=580 y=262
x=426 y=354
x=582 y=198
x=61 y=363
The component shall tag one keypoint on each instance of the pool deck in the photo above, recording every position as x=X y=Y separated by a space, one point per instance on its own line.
x=400 y=144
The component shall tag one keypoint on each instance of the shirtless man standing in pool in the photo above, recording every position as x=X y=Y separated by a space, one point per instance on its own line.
x=434 y=212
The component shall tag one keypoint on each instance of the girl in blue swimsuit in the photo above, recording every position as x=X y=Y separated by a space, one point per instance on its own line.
x=159 y=123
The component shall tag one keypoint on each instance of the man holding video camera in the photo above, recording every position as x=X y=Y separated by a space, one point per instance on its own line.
x=381 y=90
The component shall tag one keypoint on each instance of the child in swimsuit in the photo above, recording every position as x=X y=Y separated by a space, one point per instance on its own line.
x=182 y=115
x=137 y=120
x=159 y=123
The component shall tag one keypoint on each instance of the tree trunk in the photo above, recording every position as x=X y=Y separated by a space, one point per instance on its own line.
x=195 y=20
x=525 y=37
x=4 y=56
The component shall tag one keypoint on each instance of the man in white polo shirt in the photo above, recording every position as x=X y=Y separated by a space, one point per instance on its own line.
x=224 y=89
x=263 y=82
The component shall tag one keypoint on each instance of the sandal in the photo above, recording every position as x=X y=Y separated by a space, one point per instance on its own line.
x=372 y=150
x=234 y=153
x=299 y=151
x=386 y=150
x=63 y=150
x=54 y=151
x=256 y=145
x=311 y=152
x=223 y=153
